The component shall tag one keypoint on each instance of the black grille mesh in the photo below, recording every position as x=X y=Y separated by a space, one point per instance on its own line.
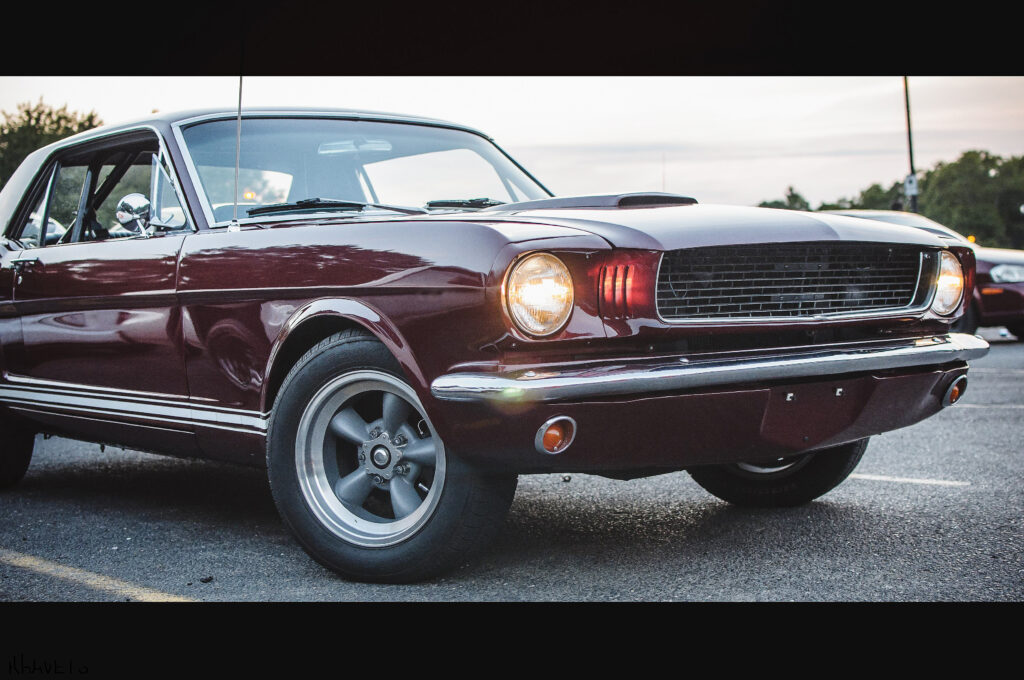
x=786 y=280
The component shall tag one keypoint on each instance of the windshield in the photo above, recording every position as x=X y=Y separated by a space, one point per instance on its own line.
x=288 y=160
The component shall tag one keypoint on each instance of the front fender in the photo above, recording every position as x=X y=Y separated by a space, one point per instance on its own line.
x=355 y=312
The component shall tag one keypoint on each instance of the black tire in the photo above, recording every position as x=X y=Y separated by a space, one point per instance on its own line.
x=1017 y=329
x=799 y=480
x=968 y=323
x=449 y=526
x=15 y=452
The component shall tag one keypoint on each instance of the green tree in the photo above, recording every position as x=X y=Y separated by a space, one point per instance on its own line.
x=840 y=204
x=33 y=126
x=877 y=198
x=793 y=201
x=979 y=194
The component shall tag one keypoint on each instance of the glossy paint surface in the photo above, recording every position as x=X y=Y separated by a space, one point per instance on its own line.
x=191 y=334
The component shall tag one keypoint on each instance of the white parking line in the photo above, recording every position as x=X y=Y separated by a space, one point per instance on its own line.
x=909 y=480
x=996 y=370
x=87 y=578
x=988 y=406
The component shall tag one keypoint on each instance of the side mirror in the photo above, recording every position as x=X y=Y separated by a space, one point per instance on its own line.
x=132 y=208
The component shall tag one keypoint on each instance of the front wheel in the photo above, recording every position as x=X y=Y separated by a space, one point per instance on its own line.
x=360 y=475
x=784 y=482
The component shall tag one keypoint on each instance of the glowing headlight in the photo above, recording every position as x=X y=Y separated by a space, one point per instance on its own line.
x=1007 y=273
x=539 y=294
x=949 y=287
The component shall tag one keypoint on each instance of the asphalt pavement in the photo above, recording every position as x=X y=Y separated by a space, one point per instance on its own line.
x=934 y=512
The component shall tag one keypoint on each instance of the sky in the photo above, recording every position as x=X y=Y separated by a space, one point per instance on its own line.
x=737 y=140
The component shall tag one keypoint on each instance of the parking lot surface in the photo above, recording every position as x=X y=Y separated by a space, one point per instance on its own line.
x=934 y=512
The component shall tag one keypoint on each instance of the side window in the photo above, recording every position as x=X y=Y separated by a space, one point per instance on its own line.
x=65 y=197
x=103 y=223
x=96 y=180
x=168 y=213
x=64 y=194
x=32 y=235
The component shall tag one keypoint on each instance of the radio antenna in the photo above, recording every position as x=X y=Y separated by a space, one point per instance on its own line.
x=234 y=226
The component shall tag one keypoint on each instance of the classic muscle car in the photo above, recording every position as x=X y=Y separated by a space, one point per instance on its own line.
x=998 y=298
x=397 y=319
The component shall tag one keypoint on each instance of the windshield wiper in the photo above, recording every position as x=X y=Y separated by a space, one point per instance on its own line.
x=465 y=203
x=315 y=204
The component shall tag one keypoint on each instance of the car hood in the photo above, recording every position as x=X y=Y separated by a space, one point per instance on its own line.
x=999 y=255
x=689 y=226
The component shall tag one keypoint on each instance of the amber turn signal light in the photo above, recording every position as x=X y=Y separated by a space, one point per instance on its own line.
x=955 y=391
x=555 y=435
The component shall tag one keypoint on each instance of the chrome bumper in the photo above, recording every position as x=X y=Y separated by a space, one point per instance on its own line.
x=610 y=378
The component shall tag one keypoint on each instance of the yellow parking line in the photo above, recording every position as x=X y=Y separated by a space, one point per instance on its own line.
x=87 y=578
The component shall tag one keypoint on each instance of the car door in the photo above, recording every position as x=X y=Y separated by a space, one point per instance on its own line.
x=100 y=324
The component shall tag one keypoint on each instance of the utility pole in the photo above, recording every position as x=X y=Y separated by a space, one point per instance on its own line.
x=910 y=183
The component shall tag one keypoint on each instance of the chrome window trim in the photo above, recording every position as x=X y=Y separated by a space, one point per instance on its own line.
x=917 y=310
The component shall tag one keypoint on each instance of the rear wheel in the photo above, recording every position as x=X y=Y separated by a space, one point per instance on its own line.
x=360 y=475
x=16 y=445
x=1017 y=329
x=789 y=481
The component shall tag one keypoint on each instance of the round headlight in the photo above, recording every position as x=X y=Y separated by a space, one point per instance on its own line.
x=539 y=294
x=1007 y=273
x=949 y=287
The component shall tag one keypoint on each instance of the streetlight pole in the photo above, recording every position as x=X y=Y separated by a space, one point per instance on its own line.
x=910 y=184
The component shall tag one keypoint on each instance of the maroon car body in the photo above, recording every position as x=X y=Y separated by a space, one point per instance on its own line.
x=180 y=343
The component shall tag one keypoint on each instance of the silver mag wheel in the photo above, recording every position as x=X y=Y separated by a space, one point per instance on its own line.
x=360 y=475
x=779 y=466
x=367 y=460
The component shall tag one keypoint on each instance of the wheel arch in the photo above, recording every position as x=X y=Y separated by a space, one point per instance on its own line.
x=322 y=318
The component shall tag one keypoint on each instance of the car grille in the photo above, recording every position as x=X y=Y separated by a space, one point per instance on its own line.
x=787 y=280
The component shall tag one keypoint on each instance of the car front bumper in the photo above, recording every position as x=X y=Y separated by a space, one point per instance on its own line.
x=669 y=414
x=644 y=377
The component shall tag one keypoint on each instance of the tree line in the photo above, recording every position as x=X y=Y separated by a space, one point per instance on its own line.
x=979 y=194
x=33 y=126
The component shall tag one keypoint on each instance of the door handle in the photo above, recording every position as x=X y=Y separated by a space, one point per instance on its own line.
x=20 y=263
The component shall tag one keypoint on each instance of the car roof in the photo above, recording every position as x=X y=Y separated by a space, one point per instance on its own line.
x=164 y=120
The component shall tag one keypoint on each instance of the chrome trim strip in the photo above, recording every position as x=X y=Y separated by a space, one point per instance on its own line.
x=918 y=310
x=610 y=378
x=55 y=396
